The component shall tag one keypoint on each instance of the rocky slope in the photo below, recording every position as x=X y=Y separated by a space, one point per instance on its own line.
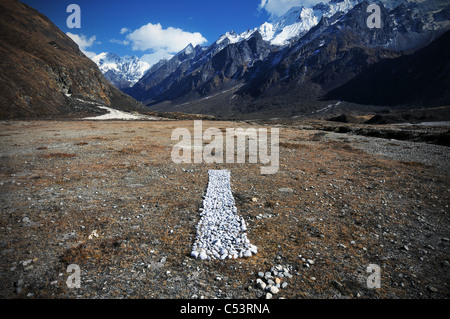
x=43 y=73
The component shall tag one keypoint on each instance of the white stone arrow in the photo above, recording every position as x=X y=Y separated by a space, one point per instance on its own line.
x=221 y=233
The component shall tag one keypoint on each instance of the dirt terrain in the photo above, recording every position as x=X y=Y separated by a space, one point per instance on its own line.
x=107 y=197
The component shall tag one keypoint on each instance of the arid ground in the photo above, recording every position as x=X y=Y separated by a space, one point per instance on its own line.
x=107 y=196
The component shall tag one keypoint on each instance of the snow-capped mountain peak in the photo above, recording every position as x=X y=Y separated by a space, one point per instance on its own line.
x=294 y=23
x=232 y=37
x=297 y=21
x=123 y=72
x=189 y=49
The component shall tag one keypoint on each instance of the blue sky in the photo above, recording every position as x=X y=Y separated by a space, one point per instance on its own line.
x=151 y=29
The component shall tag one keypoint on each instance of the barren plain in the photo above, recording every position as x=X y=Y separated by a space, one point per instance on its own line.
x=106 y=196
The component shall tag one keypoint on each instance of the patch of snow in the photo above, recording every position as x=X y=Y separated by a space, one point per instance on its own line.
x=118 y=115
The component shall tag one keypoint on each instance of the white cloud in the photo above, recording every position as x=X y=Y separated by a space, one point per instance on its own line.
x=276 y=8
x=123 y=42
x=84 y=43
x=161 y=43
x=154 y=37
x=124 y=30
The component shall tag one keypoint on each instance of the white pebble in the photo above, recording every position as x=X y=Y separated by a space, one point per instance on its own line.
x=274 y=290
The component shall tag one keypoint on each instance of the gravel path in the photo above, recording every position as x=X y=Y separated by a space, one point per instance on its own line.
x=221 y=232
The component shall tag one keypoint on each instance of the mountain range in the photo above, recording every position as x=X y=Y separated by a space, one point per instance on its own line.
x=294 y=62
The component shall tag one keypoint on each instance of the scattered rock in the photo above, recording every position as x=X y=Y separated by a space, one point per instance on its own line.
x=274 y=290
x=94 y=234
x=261 y=284
x=273 y=278
x=432 y=289
x=26 y=262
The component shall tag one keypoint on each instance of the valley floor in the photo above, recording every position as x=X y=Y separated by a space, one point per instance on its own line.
x=106 y=196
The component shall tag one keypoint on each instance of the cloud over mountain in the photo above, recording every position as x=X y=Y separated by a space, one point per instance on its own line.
x=162 y=42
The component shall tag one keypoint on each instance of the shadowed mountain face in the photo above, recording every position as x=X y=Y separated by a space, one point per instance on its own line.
x=419 y=78
x=43 y=72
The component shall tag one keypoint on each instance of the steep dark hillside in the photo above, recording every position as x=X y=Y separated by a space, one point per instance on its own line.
x=43 y=72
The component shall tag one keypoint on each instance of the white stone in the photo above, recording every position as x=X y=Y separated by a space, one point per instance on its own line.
x=203 y=255
x=261 y=284
x=194 y=254
x=274 y=290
